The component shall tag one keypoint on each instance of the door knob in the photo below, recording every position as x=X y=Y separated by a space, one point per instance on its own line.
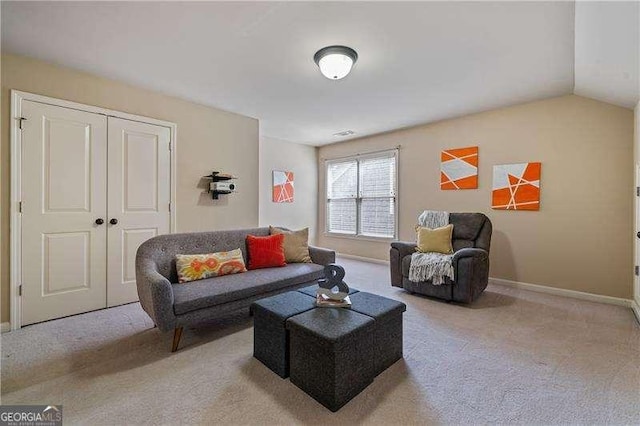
x=113 y=221
x=99 y=221
x=638 y=235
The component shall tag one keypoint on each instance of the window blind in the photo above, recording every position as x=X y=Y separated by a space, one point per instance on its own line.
x=361 y=195
x=342 y=191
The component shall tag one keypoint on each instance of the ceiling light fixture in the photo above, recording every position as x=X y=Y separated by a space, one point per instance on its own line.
x=335 y=62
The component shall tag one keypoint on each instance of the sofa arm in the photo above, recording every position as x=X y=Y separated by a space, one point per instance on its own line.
x=155 y=293
x=397 y=252
x=322 y=256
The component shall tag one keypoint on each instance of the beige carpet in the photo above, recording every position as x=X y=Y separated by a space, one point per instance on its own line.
x=512 y=357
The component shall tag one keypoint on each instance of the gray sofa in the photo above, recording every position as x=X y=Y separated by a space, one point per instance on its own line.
x=471 y=243
x=171 y=306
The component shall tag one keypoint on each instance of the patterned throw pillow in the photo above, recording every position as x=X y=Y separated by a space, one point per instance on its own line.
x=296 y=244
x=265 y=252
x=193 y=267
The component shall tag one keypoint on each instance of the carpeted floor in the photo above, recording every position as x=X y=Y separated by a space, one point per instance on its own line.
x=512 y=357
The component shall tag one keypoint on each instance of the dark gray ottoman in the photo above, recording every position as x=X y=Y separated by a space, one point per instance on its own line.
x=270 y=336
x=387 y=334
x=330 y=352
x=311 y=290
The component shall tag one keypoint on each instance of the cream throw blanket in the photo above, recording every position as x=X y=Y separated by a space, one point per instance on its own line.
x=431 y=266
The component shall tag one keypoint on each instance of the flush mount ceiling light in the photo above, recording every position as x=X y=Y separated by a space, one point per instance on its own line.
x=335 y=62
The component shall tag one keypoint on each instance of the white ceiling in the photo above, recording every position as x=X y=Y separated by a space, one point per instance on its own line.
x=418 y=62
x=608 y=51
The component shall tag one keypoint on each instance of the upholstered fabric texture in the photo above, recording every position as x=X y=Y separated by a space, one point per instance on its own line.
x=270 y=336
x=436 y=240
x=266 y=252
x=471 y=241
x=171 y=305
x=193 y=267
x=296 y=244
x=340 y=344
x=217 y=291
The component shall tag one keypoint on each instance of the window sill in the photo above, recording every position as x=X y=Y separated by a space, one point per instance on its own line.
x=359 y=237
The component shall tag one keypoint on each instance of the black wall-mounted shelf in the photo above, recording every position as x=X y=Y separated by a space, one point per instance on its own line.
x=219 y=177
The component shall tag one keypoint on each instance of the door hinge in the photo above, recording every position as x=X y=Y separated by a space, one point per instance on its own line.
x=637 y=270
x=21 y=121
x=169 y=146
x=19 y=206
x=20 y=290
x=169 y=206
x=637 y=191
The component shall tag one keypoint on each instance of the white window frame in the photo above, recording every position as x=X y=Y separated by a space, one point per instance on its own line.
x=377 y=154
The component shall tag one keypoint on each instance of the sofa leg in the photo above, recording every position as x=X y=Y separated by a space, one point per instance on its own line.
x=177 y=334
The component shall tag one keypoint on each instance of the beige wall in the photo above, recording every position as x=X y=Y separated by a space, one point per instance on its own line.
x=302 y=161
x=208 y=139
x=580 y=238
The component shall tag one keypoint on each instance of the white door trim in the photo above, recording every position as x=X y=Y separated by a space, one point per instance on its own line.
x=15 y=219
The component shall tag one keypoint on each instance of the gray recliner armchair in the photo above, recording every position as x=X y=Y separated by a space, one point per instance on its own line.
x=471 y=243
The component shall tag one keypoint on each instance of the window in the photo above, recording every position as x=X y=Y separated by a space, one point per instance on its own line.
x=361 y=195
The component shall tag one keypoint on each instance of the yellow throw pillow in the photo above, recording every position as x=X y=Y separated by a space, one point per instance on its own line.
x=192 y=267
x=296 y=244
x=435 y=240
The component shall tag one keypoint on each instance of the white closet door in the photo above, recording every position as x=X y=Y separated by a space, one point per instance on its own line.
x=64 y=182
x=138 y=201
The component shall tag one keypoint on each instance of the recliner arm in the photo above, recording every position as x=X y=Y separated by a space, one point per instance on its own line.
x=404 y=248
x=471 y=267
x=398 y=251
x=478 y=253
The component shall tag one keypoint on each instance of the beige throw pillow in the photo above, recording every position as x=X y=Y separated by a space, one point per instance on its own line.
x=435 y=240
x=296 y=244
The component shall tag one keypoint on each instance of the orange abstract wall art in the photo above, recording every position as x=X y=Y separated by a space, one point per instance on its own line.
x=282 y=187
x=459 y=168
x=516 y=186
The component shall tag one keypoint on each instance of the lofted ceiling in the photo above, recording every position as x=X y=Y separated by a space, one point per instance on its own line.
x=418 y=62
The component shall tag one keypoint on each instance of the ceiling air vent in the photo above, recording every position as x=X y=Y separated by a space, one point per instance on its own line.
x=345 y=133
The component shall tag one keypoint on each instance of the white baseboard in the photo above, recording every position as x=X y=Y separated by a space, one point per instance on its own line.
x=363 y=259
x=4 y=327
x=564 y=292
x=635 y=306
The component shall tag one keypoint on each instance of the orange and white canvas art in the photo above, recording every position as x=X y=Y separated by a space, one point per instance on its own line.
x=459 y=168
x=282 y=187
x=516 y=186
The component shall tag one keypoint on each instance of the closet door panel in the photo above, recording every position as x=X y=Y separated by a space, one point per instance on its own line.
x=138 y=199
x=63 y=192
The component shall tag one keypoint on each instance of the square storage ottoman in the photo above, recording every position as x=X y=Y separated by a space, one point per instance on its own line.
x=331 y=352
x=270 y=336
x=387 y=333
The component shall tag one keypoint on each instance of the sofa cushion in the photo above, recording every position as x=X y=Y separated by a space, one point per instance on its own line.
x=219 y=290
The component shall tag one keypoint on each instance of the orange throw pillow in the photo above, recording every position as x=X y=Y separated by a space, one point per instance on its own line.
x=265 y=252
